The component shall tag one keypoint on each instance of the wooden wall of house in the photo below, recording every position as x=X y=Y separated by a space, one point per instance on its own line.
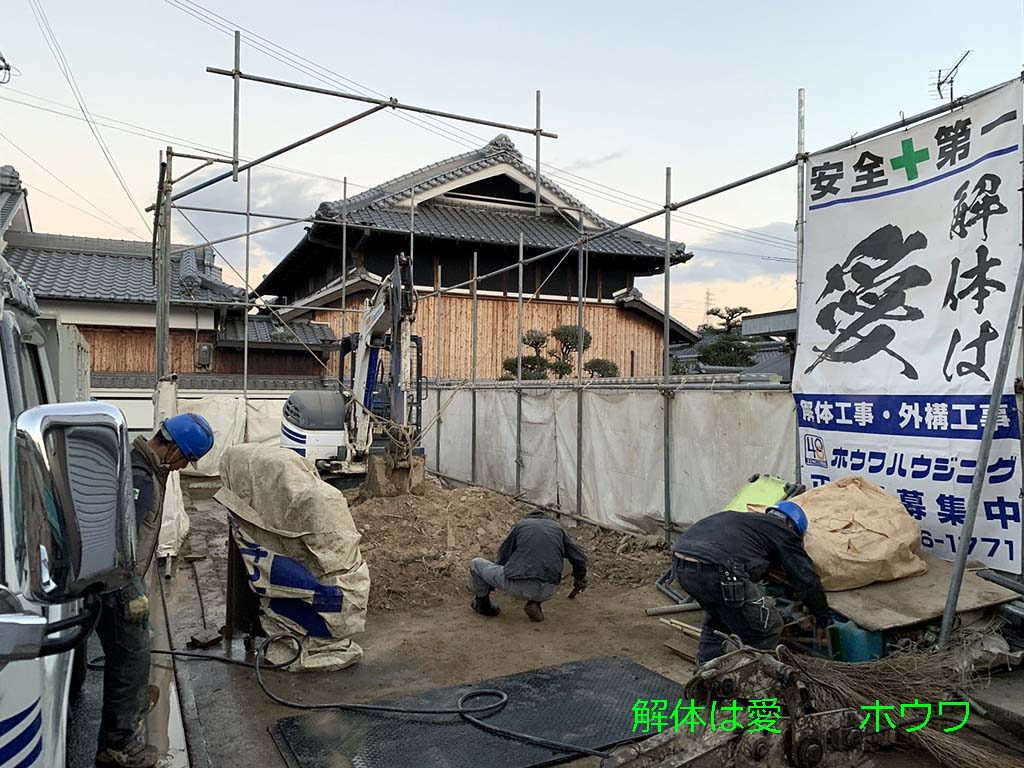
x=627 y=338
x=133 y=350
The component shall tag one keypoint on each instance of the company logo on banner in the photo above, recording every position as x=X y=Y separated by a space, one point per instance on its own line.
x=912 y=245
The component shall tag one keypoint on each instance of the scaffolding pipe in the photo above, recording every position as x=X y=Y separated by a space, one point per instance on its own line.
x=381 y=103
x=857 y=139
x=236 y=74
x=277 y=152
x=984 y=450
x=163 y=304
x=472 y=453
x=801 y=176
x=536 y=152
x=666 y=362
x=519 y=376
x=579 y=371
x=437 y=373
x=245 y=315
x=344 y=265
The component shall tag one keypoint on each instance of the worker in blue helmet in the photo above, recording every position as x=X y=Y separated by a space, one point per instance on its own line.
x=123 y=627
x=719 y=561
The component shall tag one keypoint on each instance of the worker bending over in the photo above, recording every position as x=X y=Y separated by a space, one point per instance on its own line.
x=123 y=626
x=529 y=565
x=719 y=561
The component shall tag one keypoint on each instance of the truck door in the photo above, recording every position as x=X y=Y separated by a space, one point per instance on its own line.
x=33 y=693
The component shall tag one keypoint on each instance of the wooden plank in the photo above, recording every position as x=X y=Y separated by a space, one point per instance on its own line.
x=905 y=602
x=683 y=646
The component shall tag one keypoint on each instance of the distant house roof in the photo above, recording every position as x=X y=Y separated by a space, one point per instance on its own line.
x=771 y=357
x=386 y=207
x=267 y=332
x=12 y=197
x=781 y=323
x=95 y=269
x=678 y=333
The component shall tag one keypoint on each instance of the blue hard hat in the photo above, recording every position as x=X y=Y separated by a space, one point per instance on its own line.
x=793 y=511
x=191 y=433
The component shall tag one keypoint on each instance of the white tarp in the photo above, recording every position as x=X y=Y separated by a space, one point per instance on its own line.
x=912 y=249
x=496 y=440
x=719 y=439
x=226 y=415
x=456 y=426
x=301 y=551
x=623 y=465
x=539 y=478
x=263 y=422
x=174 y=523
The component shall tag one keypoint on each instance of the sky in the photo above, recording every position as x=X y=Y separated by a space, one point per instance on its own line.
x=706 y=88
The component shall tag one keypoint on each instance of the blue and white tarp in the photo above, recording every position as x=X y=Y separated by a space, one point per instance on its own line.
x=913 y=242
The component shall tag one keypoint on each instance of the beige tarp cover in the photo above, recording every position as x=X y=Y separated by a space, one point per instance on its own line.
x=858 y=534
x=301 y=550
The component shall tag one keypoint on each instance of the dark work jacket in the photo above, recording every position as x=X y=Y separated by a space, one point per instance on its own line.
x=752 y=544
x=149 y=480
x=535 y=548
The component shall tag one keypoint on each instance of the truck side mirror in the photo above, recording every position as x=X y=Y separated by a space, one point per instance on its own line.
x=74 y=516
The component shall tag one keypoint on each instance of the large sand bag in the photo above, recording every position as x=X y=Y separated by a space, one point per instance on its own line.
x=301 y=550
x=858 y=534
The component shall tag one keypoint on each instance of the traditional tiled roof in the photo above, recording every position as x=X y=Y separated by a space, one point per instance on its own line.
x=264 y=330
x=386 y=207
x=95 y=269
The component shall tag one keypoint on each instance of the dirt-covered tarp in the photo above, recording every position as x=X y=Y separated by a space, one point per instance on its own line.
x=301 y=550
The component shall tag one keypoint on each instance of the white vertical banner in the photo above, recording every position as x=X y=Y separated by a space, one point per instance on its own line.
x=913 y=242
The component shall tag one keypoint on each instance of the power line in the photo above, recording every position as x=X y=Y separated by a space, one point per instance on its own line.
x=65 y=68
x=109 y=220
x=149 y=133
x=293 y=60
x=39 y=191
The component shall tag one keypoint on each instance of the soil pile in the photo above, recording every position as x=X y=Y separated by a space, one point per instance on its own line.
x=419 y=546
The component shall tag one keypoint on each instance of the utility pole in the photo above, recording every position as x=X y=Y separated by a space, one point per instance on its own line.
x=163 y=274
x=708 y=298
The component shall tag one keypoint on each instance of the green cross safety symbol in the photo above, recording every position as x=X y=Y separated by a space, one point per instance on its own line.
x=910 y=159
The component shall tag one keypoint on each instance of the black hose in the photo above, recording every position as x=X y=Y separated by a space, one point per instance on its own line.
x=462 y=707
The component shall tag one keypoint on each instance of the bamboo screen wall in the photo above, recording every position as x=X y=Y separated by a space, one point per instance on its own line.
x=628 y=339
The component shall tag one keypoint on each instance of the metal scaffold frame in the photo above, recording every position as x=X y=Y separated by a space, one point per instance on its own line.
x=168 y=201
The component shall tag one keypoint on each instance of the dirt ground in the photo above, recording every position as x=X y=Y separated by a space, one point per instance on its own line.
x=420 y=633
x=418 y=546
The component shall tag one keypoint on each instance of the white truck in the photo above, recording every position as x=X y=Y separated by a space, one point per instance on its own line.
x=67 y=532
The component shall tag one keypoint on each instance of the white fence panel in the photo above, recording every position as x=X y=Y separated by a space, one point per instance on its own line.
x=496 y=440
x=456 y=435
x=720 y=439
x=623 y=468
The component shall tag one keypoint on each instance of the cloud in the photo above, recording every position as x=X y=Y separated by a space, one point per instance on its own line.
x=273 y=192
x=590 y=162
x=736 y=256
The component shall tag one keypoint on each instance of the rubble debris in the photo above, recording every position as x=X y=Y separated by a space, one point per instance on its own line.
x=419 y=545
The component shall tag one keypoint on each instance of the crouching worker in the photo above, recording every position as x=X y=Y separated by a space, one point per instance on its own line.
x=719 y=561
x=123 y=627
x=529 y=565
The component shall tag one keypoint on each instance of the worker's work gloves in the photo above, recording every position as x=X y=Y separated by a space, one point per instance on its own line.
x=136 y=604
x=138 y=610
x=578 y=585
